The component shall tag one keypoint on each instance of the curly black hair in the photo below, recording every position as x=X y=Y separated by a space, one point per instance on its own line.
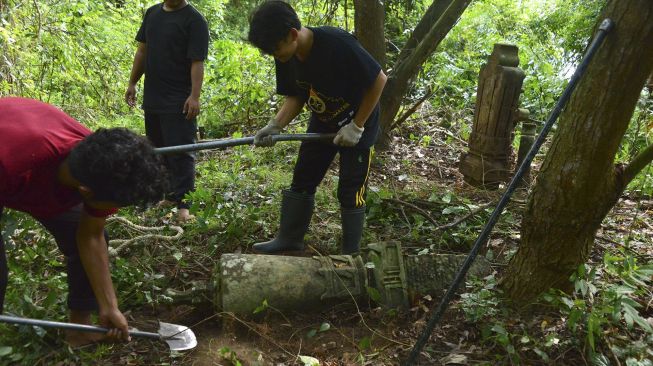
x=119 y=166
x=270 y=23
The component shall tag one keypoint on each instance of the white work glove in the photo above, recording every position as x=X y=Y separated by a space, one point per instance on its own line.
x=348 y=135
x=264 y=136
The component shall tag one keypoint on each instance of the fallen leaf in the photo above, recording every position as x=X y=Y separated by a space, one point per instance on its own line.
x=454 y=359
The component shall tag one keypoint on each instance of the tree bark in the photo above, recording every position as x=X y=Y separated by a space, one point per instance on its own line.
x=579 y=182
x=369 y=21
x=441 y=16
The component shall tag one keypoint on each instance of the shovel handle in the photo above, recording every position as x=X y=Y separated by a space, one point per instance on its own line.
x=71 y=326
x=217 y=144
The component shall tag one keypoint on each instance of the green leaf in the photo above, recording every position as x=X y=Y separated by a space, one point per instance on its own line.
x=632 y=315
x=599 y=359
x=499 y=329
x=309 y=361
x=448 y=210
x=5 y=350
x=177 y=256
x=542 y=354
x=365 y=343
x=324 y=327
x=311 y=333
x=374 y=294
x=567 y=301
x=261 y=307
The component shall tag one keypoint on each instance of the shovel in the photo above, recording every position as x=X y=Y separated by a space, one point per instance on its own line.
x=178 y=337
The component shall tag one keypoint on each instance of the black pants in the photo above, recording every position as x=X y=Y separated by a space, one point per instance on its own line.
x=171 y=130
x=64 y=229
x=314 y=160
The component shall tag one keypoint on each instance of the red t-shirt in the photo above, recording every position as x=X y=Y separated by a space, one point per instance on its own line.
x=35 y=138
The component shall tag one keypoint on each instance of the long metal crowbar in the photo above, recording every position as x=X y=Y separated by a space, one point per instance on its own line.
x=178 y=337
x=218 y=144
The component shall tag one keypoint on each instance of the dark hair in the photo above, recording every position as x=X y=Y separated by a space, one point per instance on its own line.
x=270 y=23
x=119 y=166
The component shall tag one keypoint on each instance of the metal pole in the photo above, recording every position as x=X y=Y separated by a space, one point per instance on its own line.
x=604 y=28
x=70 y=326
x=219 y=144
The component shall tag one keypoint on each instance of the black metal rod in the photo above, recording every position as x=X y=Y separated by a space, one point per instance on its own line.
x=219 y=144
x=70 y=326
x=604 y=28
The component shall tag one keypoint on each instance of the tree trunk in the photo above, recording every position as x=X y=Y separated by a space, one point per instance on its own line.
x=579 y=183
x=369 y=22
x=441 y=16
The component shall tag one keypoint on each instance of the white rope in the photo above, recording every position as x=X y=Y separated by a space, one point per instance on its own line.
x=142 y=229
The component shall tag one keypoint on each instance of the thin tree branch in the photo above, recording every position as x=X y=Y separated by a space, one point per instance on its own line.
x=426 y=215
x=433 y=13
x=412 y=109
x=637 y=164
x=463 y=218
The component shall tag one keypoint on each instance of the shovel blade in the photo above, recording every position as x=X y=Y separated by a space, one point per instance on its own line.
x=178 y=337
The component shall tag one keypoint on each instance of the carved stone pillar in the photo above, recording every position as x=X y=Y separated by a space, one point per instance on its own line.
x=528 y=128
x=488 y=161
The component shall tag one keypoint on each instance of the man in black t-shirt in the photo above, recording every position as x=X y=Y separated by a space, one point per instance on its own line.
x=329 y=71
x=173 y=43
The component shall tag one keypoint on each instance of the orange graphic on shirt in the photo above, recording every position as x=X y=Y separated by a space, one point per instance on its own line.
x=325 y=108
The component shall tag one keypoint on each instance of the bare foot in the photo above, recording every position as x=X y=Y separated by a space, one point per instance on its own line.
x=183 y=215
x=76 y=338
x=165 y=204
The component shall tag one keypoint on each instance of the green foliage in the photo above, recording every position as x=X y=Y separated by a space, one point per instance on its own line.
x=314 y=331
x=550 y=35
x=78 y=56
x=239 y=93
x=597 y=305
x=604 y=303
x=230 y=356
x=482 y=300
x=638 y=136
x=71 y=54
x=481 y=305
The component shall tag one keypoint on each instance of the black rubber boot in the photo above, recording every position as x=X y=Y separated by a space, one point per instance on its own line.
x=296 y=212
x=352 y=228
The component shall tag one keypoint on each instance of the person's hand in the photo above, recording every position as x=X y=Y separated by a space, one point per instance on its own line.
x=130 y=95
x=191 y=107
x=264 y=136
x=348 y=135
x=116 y=323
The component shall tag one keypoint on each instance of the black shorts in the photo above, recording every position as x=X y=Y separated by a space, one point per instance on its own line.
x=314 y=160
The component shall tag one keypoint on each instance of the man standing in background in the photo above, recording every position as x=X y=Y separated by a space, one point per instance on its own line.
x=326 y=69
x=173 y=43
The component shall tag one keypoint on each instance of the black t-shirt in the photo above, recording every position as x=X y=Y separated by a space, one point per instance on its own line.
x=332 y=80
x=173 y=39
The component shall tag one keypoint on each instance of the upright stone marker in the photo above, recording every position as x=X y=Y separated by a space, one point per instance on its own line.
x=488 y=161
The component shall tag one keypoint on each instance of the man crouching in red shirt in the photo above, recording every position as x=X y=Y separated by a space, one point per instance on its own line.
x=70 y=180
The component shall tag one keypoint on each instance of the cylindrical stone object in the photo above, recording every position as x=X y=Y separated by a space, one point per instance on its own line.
x=433 y=273
x=242 y=282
